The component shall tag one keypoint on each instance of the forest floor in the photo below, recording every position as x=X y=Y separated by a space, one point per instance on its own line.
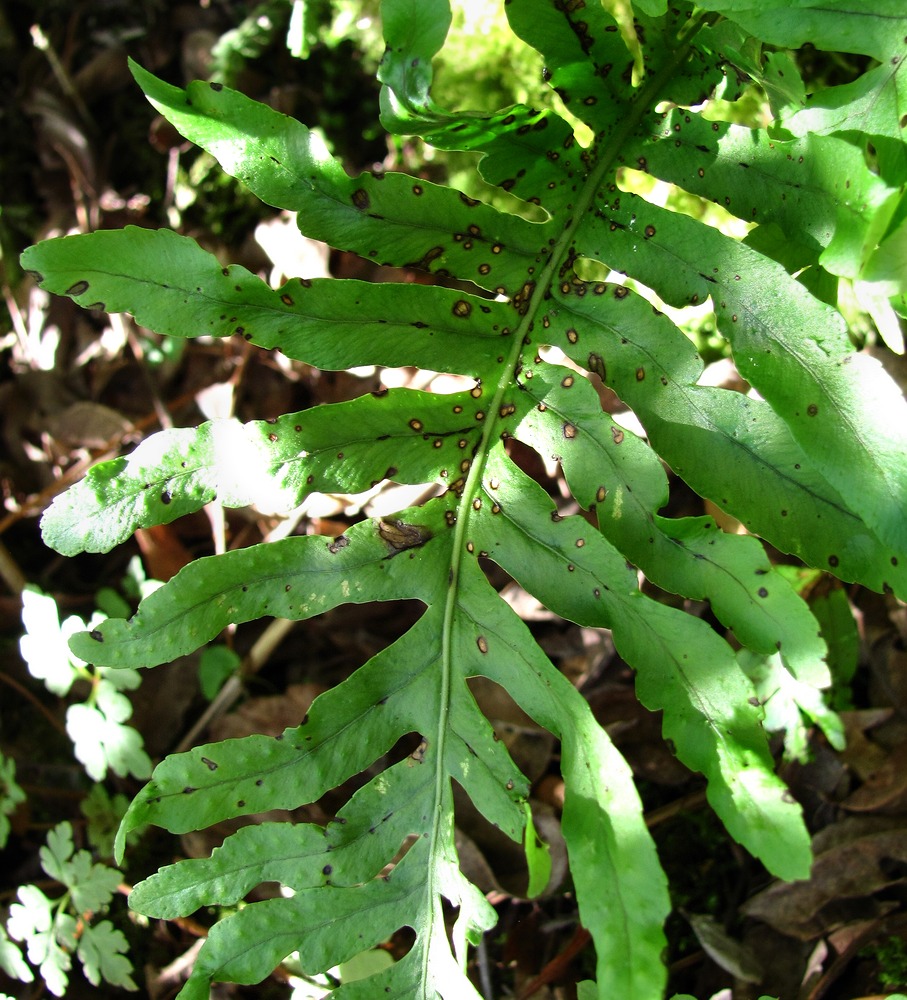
x=81 y=150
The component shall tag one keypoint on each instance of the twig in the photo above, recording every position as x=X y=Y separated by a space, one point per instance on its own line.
x=691 y=801
x=129 y=331
x=43 y=44
x=51 y=718
x=558 y=965
x=13 y=577
x=255 y=659
x=484 y=969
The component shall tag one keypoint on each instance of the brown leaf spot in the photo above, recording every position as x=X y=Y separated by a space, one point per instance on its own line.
x=617 y=434
x=461 y=308
x=399 y=536
x=361 y=199
x=79 y=288
x=569 y=431
x=340 y=542
x=416 y=424
x=812 y=409
x=482 y=643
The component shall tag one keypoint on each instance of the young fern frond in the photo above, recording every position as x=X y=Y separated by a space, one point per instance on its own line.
x=814 y=464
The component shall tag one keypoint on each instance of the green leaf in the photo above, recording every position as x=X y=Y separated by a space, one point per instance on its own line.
x=102 y=954
x=91 y=885
x=516 y=143
x=788 y=703
x=833 y=612
x=613 y=472
x=381 y=217
x=48 y=940
x=102 y=740
x=812 y=461
x=271 y=464
x=11 y=795
x=365 y=964
x=816 y=188
x=875 y=29
x=168 y=283
x=44 y=645
x=104 y=813
x=538 y=858
x=11 y=960
x=842 y=408
x=683 y=668
x=216 y=665
x=729 y=447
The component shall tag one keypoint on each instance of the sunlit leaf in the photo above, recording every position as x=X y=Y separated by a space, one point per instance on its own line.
x=814 y=461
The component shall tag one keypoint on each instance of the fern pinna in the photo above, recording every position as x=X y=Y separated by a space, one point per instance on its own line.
x=812 y=461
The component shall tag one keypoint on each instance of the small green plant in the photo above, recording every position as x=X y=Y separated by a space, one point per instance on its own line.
x=56 y=929
x=97 y=726
x=11 y=795
x=891 y=954
x=813 y=461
